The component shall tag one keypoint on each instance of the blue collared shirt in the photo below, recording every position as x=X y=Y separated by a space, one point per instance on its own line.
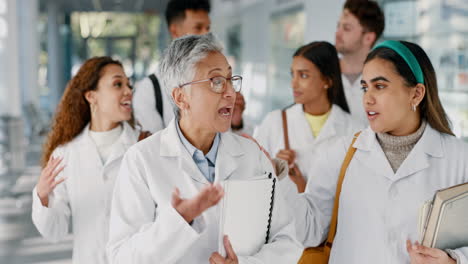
x=206 y=163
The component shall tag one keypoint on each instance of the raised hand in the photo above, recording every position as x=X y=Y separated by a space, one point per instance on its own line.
x=47 y=181
x=420 y=254
x=189 y=209
x=231 y=257
x=288 y=155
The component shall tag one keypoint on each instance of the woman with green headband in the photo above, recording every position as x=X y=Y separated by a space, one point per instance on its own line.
x=406 y=154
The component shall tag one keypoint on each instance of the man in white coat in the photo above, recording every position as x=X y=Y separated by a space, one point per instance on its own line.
x=360 y=26
x=153 y=109
x=165 y=205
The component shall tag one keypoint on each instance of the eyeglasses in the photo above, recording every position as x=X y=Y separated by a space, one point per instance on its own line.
x=218 y=83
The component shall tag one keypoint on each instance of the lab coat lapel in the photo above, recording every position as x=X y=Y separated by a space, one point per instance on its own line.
x=126 y=139
x=89 y=152
x=298 y=127
x=171 y=146
x=227 y=160
x=329 y=129
x=371 y=155
x=430 y=144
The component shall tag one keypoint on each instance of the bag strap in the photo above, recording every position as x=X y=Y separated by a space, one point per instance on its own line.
x=157 y=95
x=344 y=167
x=285 y=129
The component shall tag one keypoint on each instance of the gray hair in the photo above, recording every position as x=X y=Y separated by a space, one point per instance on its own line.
x=178 y=62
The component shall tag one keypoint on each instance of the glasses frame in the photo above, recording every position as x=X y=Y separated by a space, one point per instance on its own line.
x=229 y=79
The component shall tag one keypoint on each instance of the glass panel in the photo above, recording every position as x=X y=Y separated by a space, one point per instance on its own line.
x=123 y=50
x=129 y=37
x=287 y=34
x=440 y=28
x=96 y=47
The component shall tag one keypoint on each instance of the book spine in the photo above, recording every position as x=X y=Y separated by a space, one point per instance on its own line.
x=270 y=215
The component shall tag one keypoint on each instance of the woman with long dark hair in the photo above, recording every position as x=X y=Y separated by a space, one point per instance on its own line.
x=320 y=113
x=92 y=130
x=406 y=154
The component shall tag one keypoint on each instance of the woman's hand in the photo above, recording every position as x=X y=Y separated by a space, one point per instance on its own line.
x=231 y=257
x=288 y=155
x=296 y=176
x=47 y=181
x=189 y=209
x=420 y=254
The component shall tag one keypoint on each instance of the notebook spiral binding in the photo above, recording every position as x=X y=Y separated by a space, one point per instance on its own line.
x=271 y=210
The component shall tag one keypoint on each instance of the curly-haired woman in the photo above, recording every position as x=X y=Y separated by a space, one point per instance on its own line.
x=91 y=132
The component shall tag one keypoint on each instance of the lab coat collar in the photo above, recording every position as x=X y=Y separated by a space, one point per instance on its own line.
x=347 y=83
x=226 y=161
x=298 y=127
x=170 y=142
x=301 y=128
x=430 y=144
x=126 y=139
x=329 y=128
x=228 y=154
x=171 y=146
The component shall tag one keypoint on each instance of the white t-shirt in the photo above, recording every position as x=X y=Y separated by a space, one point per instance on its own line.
x=105 y=140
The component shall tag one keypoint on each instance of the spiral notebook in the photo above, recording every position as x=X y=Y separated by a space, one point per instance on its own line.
x=246 y=211
x=446 y=219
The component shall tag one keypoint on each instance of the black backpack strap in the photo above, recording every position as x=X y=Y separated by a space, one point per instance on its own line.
x=157 y=95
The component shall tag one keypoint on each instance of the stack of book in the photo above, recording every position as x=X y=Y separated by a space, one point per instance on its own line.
x=443 y=222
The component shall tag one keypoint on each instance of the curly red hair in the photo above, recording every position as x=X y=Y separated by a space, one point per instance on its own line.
x=73 y=112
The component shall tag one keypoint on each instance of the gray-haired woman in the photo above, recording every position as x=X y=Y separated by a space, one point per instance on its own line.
x=165 y=201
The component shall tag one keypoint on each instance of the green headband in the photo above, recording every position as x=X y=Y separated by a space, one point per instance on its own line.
x=407 y=55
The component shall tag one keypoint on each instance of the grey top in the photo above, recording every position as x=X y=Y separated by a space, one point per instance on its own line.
x=397 y=148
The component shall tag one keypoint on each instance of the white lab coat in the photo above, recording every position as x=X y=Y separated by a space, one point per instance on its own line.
x=85 y=195
x=270 y=135
x=145 y=228
x=144 y=106
x=353 y=94
x=378 y=208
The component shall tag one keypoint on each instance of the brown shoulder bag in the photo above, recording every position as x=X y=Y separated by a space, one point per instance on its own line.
x=321 y=254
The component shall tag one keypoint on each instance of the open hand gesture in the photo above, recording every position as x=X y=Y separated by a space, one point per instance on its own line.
x=189 y=209
x=47 y=181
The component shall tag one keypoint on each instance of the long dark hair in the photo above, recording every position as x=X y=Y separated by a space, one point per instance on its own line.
x=323 y=55
x=73 y=112
x=430 y=107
